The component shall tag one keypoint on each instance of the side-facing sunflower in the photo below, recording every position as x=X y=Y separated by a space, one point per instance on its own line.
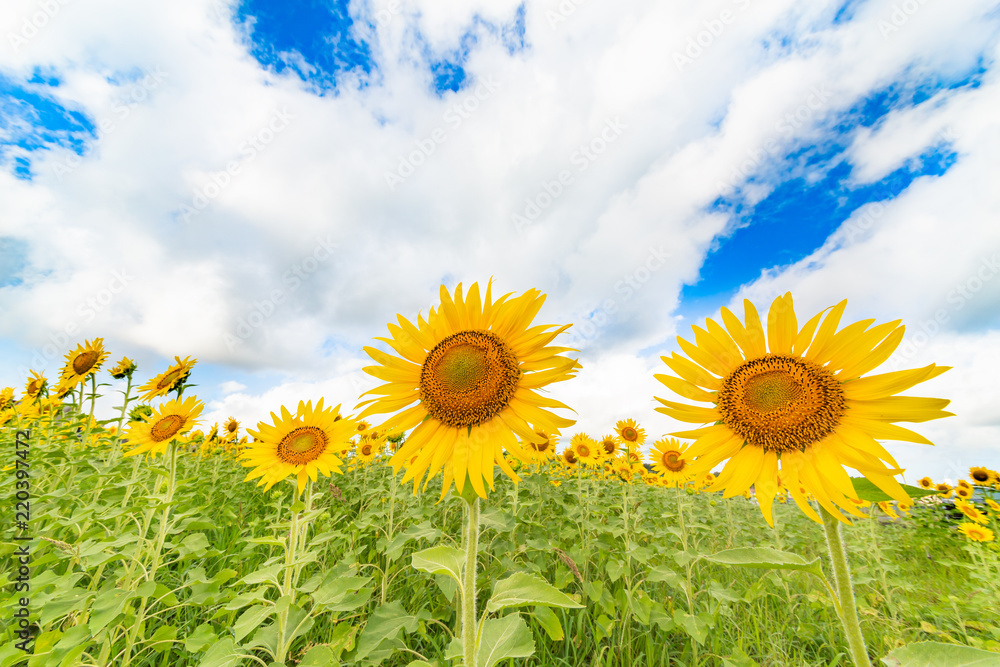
x=795 y=398
x=971 y=511
x=610 y=445
x=123 y=368
x=164 y=423
x=542 y=451
x=231 y=429
x=670 y=459
x=944 y=490
x=568 y=457
x=975 y=532
x=34 y=386
x=472 y=368
x=302 y=444
x=163 y=383
x=83 y=362
x=6 y=398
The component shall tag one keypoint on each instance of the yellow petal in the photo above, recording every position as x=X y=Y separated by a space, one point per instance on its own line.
x=887 y=384
x=781 y=325
x=691 y=372
x=686 y=389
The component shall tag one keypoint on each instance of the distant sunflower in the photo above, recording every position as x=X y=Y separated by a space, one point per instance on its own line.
x=365 y=451
x=6 y=398
x=585 y=448
x=34 y=386
x=165 y=423
x=980 y=475
x=926 y=483
x=231 y=427
x=166 y=381
x=975 y=532
x=944 y=490
x=634 y=456
x=630 y=433
x=544 y=450
x=963 y=492
x=303 y=444
x=472 y=367
x=569 y=457
x=83 y=362
x=610 y=445
x=363 y=426
x=671 y=461
x=993 y=505
x=971 y=511
x=624 y=470
x=123 y=368
x=795 y=398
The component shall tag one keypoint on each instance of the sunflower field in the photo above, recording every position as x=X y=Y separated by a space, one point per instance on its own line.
x=452 y=516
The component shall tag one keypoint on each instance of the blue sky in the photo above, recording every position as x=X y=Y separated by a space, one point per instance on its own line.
x=349 y=156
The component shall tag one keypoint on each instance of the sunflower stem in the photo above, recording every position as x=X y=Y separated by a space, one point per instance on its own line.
x=687 y=568
x=471 y=543
x=287 y=589
x=845 y=590
x=388 y=537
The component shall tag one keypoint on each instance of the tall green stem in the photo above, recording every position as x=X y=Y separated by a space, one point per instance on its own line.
x=471 y=540
x=845 y=591
x=289 y=588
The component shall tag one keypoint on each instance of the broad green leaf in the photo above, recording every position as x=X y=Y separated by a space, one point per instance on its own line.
x=522 y=589
x=549 y=622
x=107 y=606
x=162 y=639
x=386 y=622
x=318 y=656
x=250 y=620
x=696 y=627
x=764 y=558
x=342 y=593
x=265 y=574
x=615 y=569
x=200 y=639
x=866 y=490
x=936 y=654
x=440 y=560
x=222 y=654
x=503 y=638
x=193 y=545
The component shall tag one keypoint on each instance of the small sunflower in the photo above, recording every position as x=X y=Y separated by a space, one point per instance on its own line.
x=231 y=427
x=634 y=456
x=993 y=505
x=630 y=433
x=365 y=451
x=610 y=445
x=971 y=511
x=944 y=490
x=886 y=507
x=472 y=367
x=166 y=381
x=6 y=398
x=165 y=423
x=980 y=475
x=302 y=444
x=975 y=532
x=670 y=460
x=963 y=492
x=926 y=483
x=544 y=450
x=34 y=386
x=585 y=448
x=83 y=362
x=624 y=470
x=123 y=368
x=568 y=457
x=794 y=399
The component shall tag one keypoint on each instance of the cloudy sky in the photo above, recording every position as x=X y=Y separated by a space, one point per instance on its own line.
x=263 y=185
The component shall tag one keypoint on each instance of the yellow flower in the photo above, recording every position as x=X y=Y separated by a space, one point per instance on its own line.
x=33 y=387
x=975 y=532
x=6 y=398
x=303 y=444
x=544 y=450
x=163 y=383
x=926 y=483
x=795 y=398
x=569 y=457
x=671 y=461
x=944 y=490
x=167 y=422
x=123 y=368
x=971 y=511
x=610 y=445
x=993 y=505
x=963 y=492
x=472 y=367
x=585 y=448
x=231 y=428
x=365 y=451
x=82 y=362
x=630 y=433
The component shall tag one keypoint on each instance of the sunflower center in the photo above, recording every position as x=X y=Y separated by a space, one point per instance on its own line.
x=541 y=446
x=630 y=434
x=781 y=403
x=169 y=379
x=609 y=446
x=583 y=450
x=980 y=475
x=302 y=445
x=166 y=427
x=468 y=378
x=366 y=450
x=84 y=361
x=673 y=462
x=33 y=387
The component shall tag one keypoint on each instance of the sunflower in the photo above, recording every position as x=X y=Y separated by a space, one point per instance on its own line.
x=634 y=456
x=541 y=451
x=904 y=507
x=971 y=511
x=123 y=368
x=610 y=445
x=975 y=532
x=926 y=483
x=83 y=362
x=585 y=448
x=624 y=470
x=944 y=490
x=963 y=492
x=472 y=367
x=886 y=507
x=963 y=483
x=231 y=427
x=993 y=505
x=979 y=475
x=795 y=398
x=302 y=444
x=365 y=451
x=169 y=379
x=165 y=423
x=34 y=386
x=671 y=461
x=568 y=457
x=363 y=426
x=630 y=433
x=6 y=398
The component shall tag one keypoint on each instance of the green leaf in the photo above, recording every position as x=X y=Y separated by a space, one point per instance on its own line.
x=200 y=639
x=342 y=593
x=386 y=622
x=933 y=654
x=193 y=545
x=318 y=656
x=107 y=606
x=251 y=619
x=503 y=638
x=867 y=490
x=764 y=558
x=222 y=654
x=440 y=560
x=696 y=627
x=521 y=589
x=162 y=639
x=549 y=622
x=615 y=569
